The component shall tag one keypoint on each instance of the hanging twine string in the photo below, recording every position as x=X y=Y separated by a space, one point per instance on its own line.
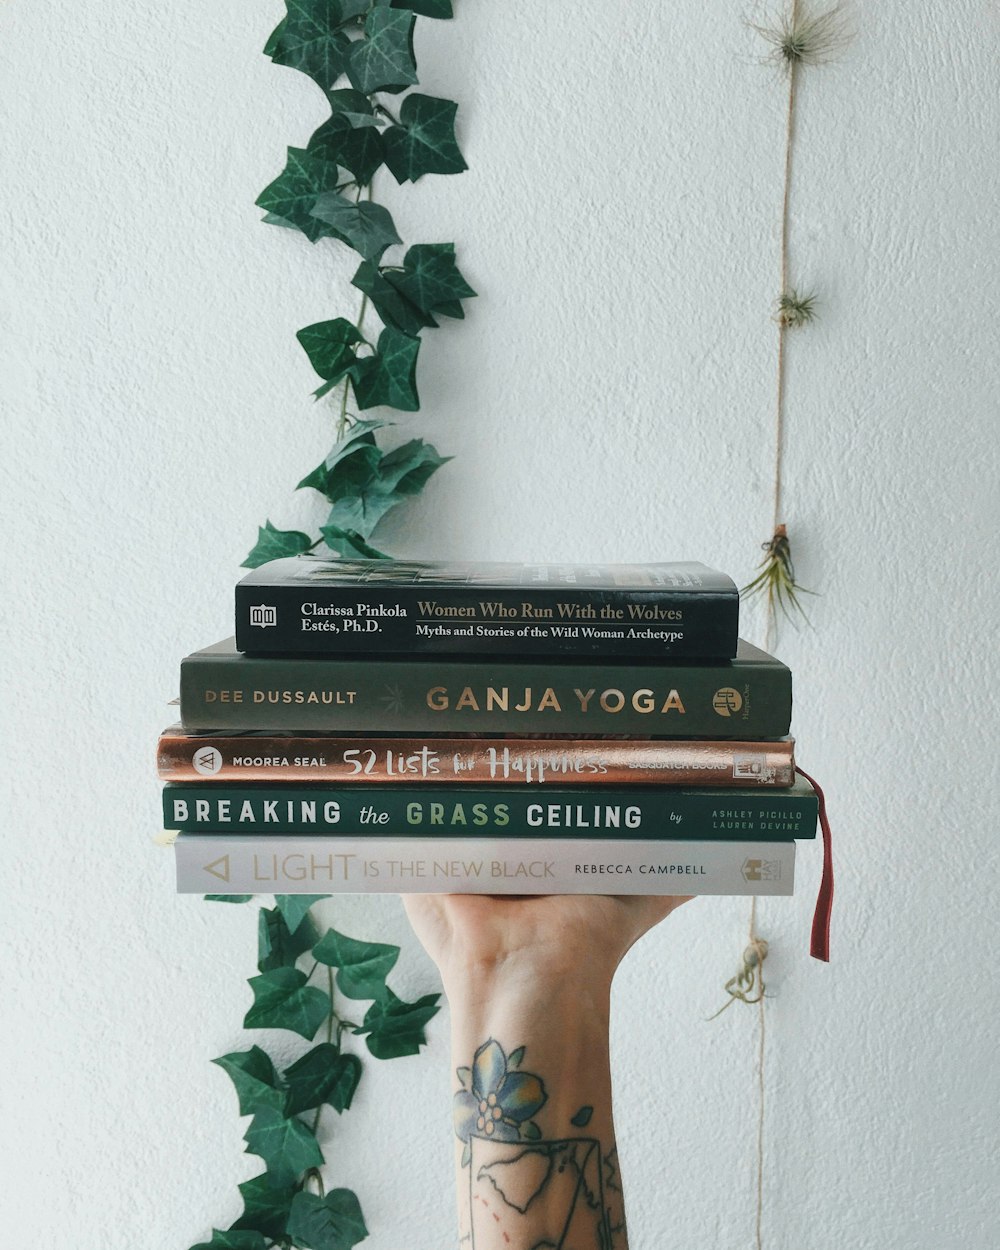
x=751 y=975
x=747 y=986
x=783 y=326
x=796 y=40
x=757 y=943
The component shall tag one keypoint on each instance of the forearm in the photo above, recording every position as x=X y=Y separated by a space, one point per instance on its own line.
x=535 y=1149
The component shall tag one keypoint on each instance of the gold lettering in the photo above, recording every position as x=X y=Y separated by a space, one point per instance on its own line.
x=643 y=701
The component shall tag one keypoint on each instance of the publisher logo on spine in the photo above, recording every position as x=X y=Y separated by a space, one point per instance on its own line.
x=752 y=768
x=762 y=870
x=727 y=701
x=218 y=868
x=207 y=761
x=263 y=615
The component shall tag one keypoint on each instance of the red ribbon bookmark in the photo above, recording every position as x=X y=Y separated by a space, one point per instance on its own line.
x=819 y=947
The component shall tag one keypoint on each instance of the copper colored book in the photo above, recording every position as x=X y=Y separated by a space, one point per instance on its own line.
x=383 y=760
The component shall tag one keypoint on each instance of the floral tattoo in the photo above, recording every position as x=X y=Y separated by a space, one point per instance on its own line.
x=528 y=1191
x=496 y=1099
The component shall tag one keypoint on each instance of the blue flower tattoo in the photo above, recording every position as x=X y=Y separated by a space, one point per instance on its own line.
x=496 y=1101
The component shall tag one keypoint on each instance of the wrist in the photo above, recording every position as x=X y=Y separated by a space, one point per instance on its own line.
x=528 y=985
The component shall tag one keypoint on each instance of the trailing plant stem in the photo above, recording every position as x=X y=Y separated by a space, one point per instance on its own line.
x=793 y=75
x=342 y=420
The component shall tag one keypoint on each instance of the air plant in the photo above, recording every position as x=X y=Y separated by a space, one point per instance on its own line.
x=776 y=579
x=802 y=39
x=795 y=310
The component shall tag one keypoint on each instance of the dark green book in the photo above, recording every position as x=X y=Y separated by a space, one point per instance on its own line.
x=749 y=697
x=658 y=812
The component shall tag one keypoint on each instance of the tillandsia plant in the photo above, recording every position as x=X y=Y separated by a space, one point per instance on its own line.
x=797 y=37
x=287 y=1205
x=360 y=55
x=775 y=580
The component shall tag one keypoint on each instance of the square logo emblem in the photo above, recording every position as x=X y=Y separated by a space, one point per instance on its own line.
x=262 y=615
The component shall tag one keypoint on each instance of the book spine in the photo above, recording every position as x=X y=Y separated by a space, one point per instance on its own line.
x=518 y=761
x=208 y=864
x=520 y=812
x=718 y=701
x=334 y=619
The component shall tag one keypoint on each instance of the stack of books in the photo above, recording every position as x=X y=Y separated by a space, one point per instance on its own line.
x=386 y=726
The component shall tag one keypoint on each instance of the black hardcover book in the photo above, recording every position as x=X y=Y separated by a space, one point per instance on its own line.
x=309 y=604
x=748 y=698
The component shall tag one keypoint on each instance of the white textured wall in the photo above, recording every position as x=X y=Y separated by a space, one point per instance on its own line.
x=609 y=397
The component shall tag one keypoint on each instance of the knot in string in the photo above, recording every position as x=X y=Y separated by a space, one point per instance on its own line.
x=747 y=986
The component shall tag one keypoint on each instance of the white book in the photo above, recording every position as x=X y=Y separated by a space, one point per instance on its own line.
x=209 y=863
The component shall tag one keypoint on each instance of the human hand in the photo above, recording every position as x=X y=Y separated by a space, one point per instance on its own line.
x=472 y=936
x=528 y=981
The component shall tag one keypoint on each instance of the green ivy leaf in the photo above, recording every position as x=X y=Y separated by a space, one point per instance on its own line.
x=515 y=1058
x=277 y=945
x=395 y=1027
x=357 y=148
x=293 y=193
x=383 y=60
x=531 y=1131
x=394 y=309
x=403 y=472
x=582 y=1117
x=265 y=1208
x=431 y=280
x=407 y=469
x=308 y=40
x=283 y=1000
x=427 y=8
x=323 y=1074
x=272 y=544
x=351 y=464
x=348 y=476
x=362 y=967
x=233 y=1240
x=228 y=898
x=389 y=378
x=366 y=227
x=270 y=219
x=295 y=907
x=352 y=107
x=287 y=1146
x=331 y=1223
x=255 y=1079
x=351 y=546
x=274 y=39
x=330 y=346
x=424 y=141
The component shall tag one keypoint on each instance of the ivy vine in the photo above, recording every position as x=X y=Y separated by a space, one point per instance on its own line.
x=325 y=192
x=287 y=1205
